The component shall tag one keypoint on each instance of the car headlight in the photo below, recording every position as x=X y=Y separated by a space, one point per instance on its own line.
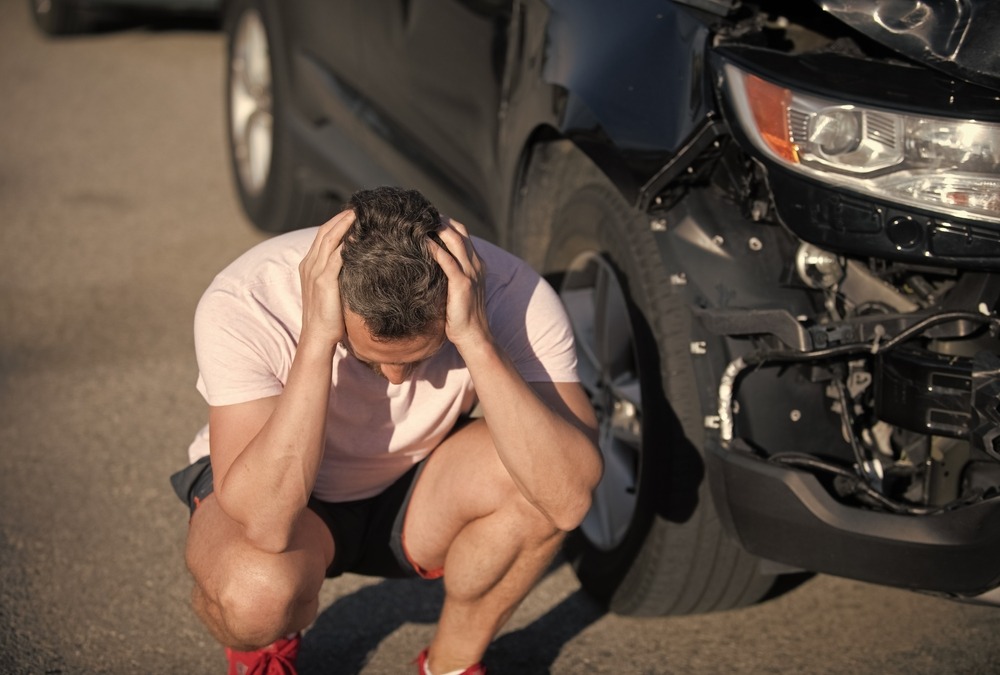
x=944 y=164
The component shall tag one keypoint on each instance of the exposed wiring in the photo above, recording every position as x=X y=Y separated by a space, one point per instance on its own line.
x=867 y=346
x=856 y=479
x=727 y=383
x=858 y=484
x=847 y=419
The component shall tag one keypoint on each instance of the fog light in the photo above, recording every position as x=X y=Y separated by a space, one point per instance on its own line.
x=818 y=268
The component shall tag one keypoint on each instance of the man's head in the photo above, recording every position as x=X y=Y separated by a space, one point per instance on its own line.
x=389 y=276
x=394 y=292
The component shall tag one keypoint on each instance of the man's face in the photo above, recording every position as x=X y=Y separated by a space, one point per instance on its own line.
x=395 y=360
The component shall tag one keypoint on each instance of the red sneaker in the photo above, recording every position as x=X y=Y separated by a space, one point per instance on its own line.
x=477 y=669
x=277 y=659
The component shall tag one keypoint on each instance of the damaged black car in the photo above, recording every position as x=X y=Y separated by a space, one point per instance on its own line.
x=775 y=226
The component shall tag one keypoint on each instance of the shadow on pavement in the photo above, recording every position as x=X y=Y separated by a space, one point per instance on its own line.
x=351 y=629
x=533 y=649
x=348 y=631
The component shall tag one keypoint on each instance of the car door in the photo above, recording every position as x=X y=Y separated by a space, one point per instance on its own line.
x=432 y=71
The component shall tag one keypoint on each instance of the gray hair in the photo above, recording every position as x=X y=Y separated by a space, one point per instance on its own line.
x=389 y=277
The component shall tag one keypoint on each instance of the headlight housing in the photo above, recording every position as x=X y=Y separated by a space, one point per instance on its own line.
x=947 y=165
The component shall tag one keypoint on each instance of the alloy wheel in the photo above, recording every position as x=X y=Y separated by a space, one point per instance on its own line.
x=608 y=370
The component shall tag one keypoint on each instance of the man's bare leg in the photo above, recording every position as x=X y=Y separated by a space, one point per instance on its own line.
x=484 y=586
x=248 y=598
x=468 y=516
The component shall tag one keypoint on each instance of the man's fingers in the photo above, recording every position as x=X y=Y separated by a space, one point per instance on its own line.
x=451 y=222
x=328 y=240
x=459 y=243
x=332 y=233
x=445 y=259
x=453 y=230
x=337 y=220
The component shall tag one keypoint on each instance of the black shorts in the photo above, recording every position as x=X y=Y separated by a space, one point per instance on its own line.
x=368 y=533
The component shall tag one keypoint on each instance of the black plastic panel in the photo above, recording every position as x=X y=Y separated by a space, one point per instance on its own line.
x=786 y=515
x=848 y=223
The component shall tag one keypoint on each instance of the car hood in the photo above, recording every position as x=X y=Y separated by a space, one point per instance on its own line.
x=958 y=37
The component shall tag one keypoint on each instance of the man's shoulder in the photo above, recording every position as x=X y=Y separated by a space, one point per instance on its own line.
x=274 y=260
x=513 y=287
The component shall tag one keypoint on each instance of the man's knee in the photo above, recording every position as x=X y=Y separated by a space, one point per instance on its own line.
x=258 y=608
x=255 y=603
x=251 y=596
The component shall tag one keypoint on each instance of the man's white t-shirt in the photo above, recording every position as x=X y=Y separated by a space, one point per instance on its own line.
x=247 y=327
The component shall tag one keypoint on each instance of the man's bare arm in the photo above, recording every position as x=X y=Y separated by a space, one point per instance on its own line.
x=545 y=434
x=263 y=481
x=552 y=456
x=266 y=454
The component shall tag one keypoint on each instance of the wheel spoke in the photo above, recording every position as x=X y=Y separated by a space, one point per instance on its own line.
x=257 y=77
x=259 y=138
x=613 y=329
x=251 y=118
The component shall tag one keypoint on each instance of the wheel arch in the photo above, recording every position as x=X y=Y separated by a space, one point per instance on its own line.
x=609 y=62
x=564 y=81
x=543 y=144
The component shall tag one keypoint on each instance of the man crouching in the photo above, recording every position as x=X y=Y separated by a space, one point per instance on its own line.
x=340 y=365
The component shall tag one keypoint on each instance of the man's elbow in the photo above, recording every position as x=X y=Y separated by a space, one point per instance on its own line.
x=578 y=504
x=569 y=518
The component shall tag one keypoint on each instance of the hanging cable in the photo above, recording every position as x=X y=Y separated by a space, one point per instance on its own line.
x=727 y=383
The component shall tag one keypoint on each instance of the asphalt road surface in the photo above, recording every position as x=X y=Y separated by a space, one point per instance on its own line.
x=116 y=209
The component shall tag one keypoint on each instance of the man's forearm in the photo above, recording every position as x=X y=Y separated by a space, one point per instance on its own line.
x=554 y=462
x=269 y=483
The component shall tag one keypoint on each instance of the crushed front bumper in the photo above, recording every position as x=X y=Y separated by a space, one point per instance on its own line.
x=785 y=515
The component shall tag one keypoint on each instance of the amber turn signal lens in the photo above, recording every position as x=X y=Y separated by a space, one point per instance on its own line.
x=769 y=104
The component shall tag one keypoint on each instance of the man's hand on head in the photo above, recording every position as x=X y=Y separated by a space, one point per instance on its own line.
x=319 y=272
x=466 y=323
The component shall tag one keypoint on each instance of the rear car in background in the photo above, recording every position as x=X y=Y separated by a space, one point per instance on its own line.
x=775 y=226
x=69 y=17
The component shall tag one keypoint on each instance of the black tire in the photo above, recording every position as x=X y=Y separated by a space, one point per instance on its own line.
x=258 y=118
x=669 y=555
x=61 y=17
